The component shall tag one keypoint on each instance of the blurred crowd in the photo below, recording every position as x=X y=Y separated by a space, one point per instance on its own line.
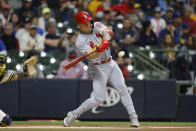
x=34 y=25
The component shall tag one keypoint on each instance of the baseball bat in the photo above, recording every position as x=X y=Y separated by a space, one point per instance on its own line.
x=75 y=61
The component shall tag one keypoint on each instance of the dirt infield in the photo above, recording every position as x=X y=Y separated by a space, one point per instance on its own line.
x=102 y=127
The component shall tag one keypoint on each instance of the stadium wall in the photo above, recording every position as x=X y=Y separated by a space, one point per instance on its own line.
x=53 y=98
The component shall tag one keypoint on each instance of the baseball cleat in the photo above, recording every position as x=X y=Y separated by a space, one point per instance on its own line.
x=69 y=119
x=134 y=122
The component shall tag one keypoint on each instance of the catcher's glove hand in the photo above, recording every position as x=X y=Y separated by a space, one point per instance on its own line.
x=29 y=66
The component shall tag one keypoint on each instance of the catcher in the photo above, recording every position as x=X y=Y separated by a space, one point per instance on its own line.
x=9 y=75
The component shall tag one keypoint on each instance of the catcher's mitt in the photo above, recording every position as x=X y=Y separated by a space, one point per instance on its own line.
x=29 y=66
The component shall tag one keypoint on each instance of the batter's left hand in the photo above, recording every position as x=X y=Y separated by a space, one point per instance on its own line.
x=104 y=45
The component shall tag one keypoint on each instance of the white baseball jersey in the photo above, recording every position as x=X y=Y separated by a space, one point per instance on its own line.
x=2 y=115
x=30 y=43
x=84 y=41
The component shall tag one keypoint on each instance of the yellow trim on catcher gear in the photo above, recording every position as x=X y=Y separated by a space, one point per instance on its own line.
x=11 y=76
x=2 y=69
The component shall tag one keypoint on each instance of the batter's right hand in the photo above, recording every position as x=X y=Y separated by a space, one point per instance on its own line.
x=104 y=45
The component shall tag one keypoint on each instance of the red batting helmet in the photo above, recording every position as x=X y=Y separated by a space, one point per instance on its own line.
x=83 y=17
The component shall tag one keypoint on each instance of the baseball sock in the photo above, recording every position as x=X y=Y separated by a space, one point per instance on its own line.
x=128 y=103
x=86 y=105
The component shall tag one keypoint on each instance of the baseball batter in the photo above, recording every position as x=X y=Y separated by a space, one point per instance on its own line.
x=9 y=75
x=103 y=69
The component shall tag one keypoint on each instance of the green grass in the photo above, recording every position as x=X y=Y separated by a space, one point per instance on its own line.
x=103 y=123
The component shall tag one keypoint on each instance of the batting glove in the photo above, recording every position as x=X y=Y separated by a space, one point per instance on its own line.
x=104 y=45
